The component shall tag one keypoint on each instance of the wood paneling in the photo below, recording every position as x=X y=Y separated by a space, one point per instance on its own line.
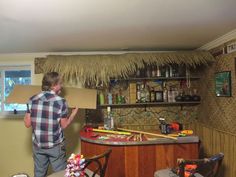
x=142 y=160
x=214 y=141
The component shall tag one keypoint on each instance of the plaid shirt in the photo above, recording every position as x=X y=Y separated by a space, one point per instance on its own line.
x=46 y=110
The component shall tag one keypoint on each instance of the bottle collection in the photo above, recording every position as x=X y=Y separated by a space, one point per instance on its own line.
x=149 y=71
x=152 y=90
x=147 y=94
x=111 y=97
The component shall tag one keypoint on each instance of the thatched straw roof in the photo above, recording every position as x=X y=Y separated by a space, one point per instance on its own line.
x=99 y=68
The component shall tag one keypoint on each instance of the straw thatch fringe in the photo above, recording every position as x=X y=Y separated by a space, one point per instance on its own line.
x=97 y=69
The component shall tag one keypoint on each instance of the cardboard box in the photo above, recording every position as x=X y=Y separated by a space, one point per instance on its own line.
x=82 y=98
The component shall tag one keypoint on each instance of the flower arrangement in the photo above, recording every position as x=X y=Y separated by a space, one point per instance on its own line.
x=75 y=166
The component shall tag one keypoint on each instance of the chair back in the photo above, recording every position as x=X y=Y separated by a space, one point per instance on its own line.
x=208 y=167
x=99 y=163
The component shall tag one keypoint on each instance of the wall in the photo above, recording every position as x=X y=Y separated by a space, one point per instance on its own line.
x=146 y=118
x=214 y=141
x=219 y=112
x=15 y=148
x=216 y=125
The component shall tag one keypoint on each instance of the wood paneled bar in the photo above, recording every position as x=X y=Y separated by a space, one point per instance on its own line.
x=140 y=159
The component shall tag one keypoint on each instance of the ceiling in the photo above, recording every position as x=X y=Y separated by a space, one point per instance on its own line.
x=112 y=25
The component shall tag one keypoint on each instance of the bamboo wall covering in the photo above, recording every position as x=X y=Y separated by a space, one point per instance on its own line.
x=218 y=112
x=147 y=119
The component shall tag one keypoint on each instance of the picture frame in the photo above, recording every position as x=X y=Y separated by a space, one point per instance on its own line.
x=223 y=84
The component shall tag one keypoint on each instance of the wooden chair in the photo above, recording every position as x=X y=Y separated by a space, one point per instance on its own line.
x=98 y=163
x=207 y=167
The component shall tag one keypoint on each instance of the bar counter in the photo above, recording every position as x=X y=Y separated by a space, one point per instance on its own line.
x=131 y=158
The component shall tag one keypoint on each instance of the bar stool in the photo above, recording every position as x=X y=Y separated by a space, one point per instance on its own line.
x=207 y=167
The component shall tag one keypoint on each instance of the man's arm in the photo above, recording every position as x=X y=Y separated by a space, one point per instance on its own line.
x=27 y=120
x=65 y=122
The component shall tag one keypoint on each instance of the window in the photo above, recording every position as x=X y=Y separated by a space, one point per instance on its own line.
x=10 y=76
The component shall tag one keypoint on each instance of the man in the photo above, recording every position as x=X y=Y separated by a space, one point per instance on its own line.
x=47 y=115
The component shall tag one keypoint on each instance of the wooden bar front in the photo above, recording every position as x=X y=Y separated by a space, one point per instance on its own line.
x=140 y=160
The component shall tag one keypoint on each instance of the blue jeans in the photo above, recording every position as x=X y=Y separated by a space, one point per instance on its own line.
x=56 y=156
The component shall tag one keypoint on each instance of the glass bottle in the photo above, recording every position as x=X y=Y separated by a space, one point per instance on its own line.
x=138 y=73
x=101 y=98
x=170 y=95
x=109 y=98
x=138 y=96
x=167 y=73
x=170 y=71
x=147 y=93
x=148 y=71
x=158 y=72
x=165 y=92
x=163 y=71
x=142 y=93
x=152 y=95
x=154 y=71
x=109 y=121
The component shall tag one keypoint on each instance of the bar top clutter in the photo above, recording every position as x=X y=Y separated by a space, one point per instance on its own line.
x=131 y=139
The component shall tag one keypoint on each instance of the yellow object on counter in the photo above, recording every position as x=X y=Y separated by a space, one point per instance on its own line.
x=111 y=131
x=187 y=132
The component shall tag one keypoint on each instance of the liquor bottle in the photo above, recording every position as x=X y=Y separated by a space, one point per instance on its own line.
x=167 y=73
x=158 y=73
x=108 y=120
x=142 y=93
x=165 y=92
x=175 y=94
x=154 y=71
x=163 y=71
x=101 y=98
x=138 y=92
x=110 y=117
x=138 y=73
x=147 y=93
x=170 y=95
x=171 y=71
x=152 y=95
x=119 y=97
x=109 y=97
x=148 y=71
x=175 y=70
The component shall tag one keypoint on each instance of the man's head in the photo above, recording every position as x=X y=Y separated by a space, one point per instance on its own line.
x=51 y=81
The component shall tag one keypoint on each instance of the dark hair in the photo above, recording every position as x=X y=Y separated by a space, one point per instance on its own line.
x=50 y=79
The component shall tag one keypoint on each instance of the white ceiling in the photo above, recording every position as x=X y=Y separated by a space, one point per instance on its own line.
x=92 y=25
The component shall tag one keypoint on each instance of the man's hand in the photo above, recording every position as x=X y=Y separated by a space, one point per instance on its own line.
x=65 y=122
x=27 y=120
x=74 y=111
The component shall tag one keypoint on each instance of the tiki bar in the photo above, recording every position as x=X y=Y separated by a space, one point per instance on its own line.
x=150 y=107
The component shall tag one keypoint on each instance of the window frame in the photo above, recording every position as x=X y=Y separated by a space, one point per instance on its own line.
x=3 y=68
